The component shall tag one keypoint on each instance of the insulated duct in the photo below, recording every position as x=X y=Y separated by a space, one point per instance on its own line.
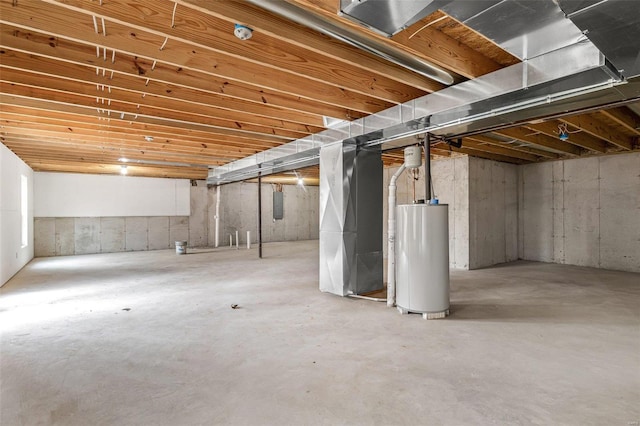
x=343 y=33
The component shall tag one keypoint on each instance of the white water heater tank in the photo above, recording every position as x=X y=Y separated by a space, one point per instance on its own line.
x=422 y=259
x=412 y=157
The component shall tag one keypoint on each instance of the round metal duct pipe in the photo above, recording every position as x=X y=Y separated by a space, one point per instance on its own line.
x=347 y=35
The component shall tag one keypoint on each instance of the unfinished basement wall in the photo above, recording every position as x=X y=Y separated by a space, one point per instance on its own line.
x=483 y=207
x=582 y=212
x=239 y=212
x=450 y=178
x=493 y=212
x=85 y=214
x=14 y=252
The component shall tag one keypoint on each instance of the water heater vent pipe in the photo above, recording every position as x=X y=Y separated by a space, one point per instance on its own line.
x=412 y=160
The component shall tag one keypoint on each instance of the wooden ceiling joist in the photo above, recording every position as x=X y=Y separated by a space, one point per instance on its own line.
x=580 y=139
x=78 y=27
x=69 y=52
x=532 y=137
x=167 y=84
x=589 y=124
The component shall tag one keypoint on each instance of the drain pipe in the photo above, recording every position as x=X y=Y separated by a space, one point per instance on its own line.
x=391 y=239
x=412 y=160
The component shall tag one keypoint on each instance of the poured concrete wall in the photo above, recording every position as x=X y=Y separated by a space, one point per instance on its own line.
x=87 y=235
x=451 y=186
x=62 y=236
x=13 y=254
x=483 y=207
x=493 y=213
x=582 y=212
x=239 y=212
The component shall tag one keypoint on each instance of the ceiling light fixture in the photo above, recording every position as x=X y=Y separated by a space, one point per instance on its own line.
x=123 y=159
x=123 y=170
x=148 y=138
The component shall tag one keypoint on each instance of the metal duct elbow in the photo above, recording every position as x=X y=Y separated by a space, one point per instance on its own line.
x=349 y=36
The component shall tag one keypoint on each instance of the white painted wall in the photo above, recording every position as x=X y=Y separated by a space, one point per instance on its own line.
x=84 y=195
x=13 y=256
x=582 y=212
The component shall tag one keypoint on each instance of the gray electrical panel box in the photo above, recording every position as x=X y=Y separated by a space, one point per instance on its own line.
x=278 y=205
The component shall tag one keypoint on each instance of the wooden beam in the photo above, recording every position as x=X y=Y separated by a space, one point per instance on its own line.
x=199 y=31
x=624 y=117
x=150 y=99
x=537 y=152
x=289 y=32
x=167 y=132
x=78 y=27
x=470 y=142
x=479 y=153
x=432 y=45
x=525 y=135
x=18 y=61
x=589 y=124
x=550 y=128
x=70 y=52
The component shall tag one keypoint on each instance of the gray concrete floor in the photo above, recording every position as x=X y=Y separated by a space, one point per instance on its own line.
x=149 y=338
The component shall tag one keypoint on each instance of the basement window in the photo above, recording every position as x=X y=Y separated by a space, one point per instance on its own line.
x=24 y=210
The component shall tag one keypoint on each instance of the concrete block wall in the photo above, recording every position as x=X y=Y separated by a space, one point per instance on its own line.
x=239 y=212
x=582 y=212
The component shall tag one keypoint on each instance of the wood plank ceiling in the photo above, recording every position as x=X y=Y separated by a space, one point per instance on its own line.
x=166 y=85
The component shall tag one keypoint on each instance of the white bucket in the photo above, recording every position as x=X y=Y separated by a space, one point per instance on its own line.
x=181 y=247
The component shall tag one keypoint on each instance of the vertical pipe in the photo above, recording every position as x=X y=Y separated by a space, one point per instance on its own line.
x=217 y=215
x=427 y=168
x=230 y=240
x=237 y=241
x=248 y=240
x=391 y=239
x=259 y=213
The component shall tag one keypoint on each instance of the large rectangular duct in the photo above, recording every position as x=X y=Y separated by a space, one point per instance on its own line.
x=613 y=26
x=509 y=95
x=388 y=16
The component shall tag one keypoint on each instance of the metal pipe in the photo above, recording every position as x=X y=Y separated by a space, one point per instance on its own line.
x=237 y=241
x=217 y=215
x=343 y=33
x=427 y=168
x=259 y=213
x=248 y=240
x=391 y=239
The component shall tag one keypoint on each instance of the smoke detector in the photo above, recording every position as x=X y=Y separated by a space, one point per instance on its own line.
x=242 y=32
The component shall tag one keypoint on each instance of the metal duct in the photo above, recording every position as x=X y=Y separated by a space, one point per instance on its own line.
x=388 y=17
x=613 y=26
x=349 y=36
x=524 y=28
x=541 y=86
